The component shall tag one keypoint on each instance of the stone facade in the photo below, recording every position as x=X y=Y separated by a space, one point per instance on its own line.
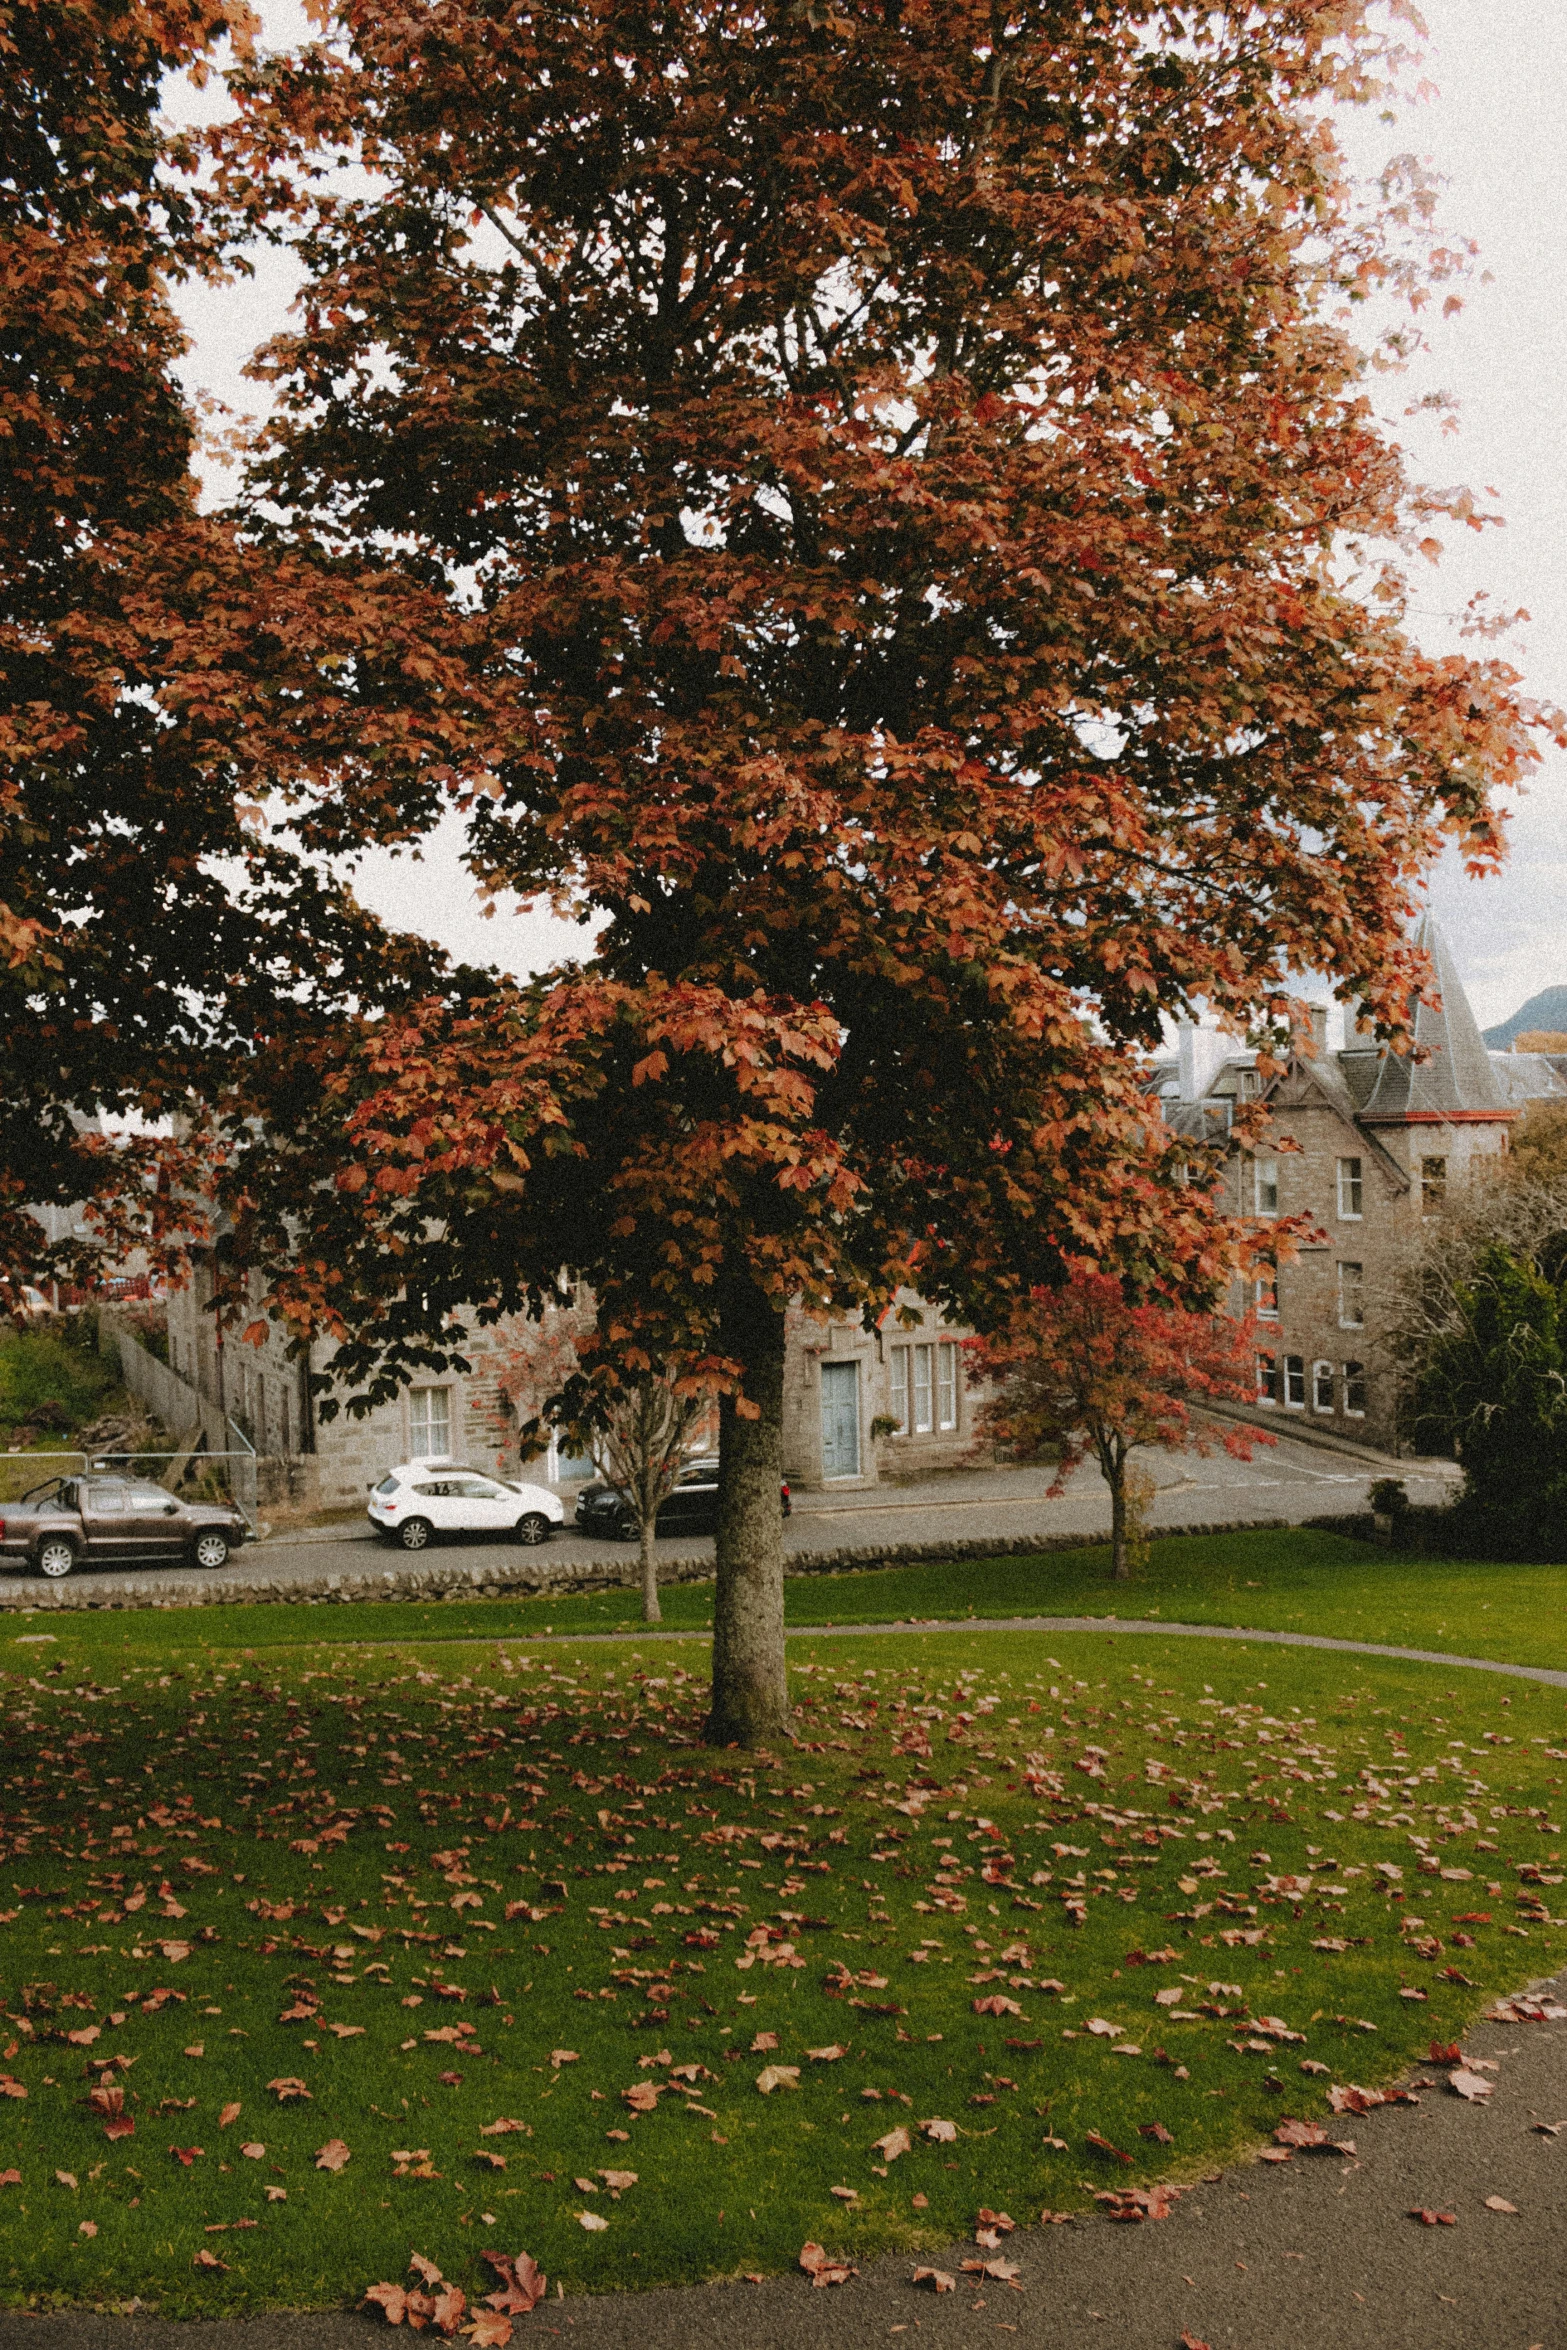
x=1363 y=1142
x=839 y=1380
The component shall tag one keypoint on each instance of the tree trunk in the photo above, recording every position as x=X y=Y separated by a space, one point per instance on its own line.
x=652 y=1613
x=750 y=1684
x=1115 y=1473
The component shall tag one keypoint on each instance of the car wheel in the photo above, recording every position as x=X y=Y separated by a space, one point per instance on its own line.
x=534 y=1528
x=414 y=1533
x=625 y=1528
x=210 y=1550
x=55 y=1558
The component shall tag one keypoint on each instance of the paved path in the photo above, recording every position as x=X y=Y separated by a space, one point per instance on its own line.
x=1316 y=2254
x=1290 y=1481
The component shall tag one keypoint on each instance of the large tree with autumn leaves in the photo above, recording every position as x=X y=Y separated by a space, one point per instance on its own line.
x=152 y=928
x=897 y=534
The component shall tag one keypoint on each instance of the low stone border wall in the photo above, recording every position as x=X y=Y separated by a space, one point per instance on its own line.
x=530 y=1578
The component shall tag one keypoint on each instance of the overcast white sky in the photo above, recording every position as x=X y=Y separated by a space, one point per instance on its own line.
x=1495 y=130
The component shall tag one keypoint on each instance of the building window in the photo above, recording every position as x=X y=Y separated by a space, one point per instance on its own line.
x=1355 y=1390
x=1351 y=1297
x=1295 y=1382
x=1322 y=1387
x=1267 y=1293
x=1433 y=1185
x=430 y=1423
x=1247 y=1083
x=1351 y=1190
x=1265 y=1177
x=946 y=1385
x=924 y=1400
x=900 y=1388
x=1267 y=1379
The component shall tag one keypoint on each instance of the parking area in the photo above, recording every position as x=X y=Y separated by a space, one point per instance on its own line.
x=1290 y=1481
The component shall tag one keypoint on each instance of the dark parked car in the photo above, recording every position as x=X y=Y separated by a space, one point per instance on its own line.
x=114 y=1521
x=692 y=1508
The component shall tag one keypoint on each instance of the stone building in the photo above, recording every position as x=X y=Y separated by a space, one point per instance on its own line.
x=859 y=1405
x=1379 y=1138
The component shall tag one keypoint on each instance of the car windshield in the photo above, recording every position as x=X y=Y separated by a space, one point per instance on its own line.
x=388 y=1484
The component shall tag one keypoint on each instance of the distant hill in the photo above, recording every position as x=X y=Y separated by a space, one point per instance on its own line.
x=1548 y=1009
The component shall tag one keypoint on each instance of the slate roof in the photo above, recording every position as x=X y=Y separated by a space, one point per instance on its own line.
x=1456 y=1076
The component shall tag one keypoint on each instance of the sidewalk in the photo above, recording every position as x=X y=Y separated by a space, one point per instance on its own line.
x=1319 y=2253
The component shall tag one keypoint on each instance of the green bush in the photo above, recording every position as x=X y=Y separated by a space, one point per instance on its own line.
x=1495 y=1390
x=49 y=1382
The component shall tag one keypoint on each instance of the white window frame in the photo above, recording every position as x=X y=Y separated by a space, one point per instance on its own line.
x=1321 y=1385
x=1351 y=1295
x=922 y=1417
x=1354 y=1375
x=1266 y=1293
x=1265 y=1186
x=1351 y=1190
x=900 y=1388
x=1294 y=1371
x=421 y=1408
x=946 y=1386
x=1267 y=1377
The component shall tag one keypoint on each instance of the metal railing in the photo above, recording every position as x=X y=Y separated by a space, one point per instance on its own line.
x=237 y=1466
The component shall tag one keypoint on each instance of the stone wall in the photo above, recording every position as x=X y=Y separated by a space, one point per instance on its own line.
x=510 y=1577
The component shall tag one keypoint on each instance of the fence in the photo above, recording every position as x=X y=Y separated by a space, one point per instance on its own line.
x=171 y=1399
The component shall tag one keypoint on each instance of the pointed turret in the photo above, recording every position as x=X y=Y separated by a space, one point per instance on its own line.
x=1454 y=1079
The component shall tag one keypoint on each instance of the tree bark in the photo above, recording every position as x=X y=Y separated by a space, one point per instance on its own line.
x=750 y=1683
x=1115 y=1472
x=652 y=1613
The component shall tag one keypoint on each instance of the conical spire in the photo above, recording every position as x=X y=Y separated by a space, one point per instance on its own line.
x=1455 y=1077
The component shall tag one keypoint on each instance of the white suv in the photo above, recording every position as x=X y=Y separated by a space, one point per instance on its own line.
x=414 y=1503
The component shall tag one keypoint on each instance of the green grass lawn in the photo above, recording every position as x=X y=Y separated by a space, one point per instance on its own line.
x=1297 y=1579
x=412 y=1877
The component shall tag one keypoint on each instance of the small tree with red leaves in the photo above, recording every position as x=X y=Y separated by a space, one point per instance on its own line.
x=1085 y=1369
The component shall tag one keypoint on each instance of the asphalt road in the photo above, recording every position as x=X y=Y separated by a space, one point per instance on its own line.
x=1320 y=2253
x=1290 y=1480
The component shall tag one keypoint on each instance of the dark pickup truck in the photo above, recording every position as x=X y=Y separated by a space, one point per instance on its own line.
x=110 y=1521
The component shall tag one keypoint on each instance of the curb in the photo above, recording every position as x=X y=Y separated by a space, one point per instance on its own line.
x=350 y=1587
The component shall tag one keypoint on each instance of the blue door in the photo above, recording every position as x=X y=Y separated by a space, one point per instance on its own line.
x=840 y=1419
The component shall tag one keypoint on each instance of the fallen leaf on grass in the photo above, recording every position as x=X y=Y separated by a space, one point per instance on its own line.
x=186 y=2155
x=778 y=2076
x=253 y=2150
x=594 y=2221
x=764 y=2043
x=332 y=2155
x=1500 y=2203
x=488 y=2156
x=618 y=2180
x=504 y=2127
x=642 y=2096
x=939 y=2279
x=895 y=2142
x=994 y=2004
x=845 y=2194
x=940 y=2133
x=828 y=2055
x=560 y=2056
x=10 y=2178
x=276 y=2194
x=288 y=2087
x=206 y=2259
x=523 y=2283
x=1103 y=2146
x=229 y=2114
x=822 y=2269
x=1157 y=2132
x=1434 y=2219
